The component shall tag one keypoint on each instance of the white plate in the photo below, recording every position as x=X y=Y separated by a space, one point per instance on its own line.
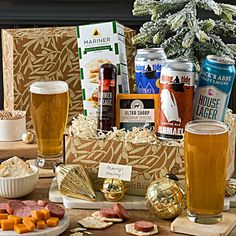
x=49 y=231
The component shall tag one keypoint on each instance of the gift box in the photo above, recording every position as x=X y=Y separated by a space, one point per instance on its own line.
x=148 y=161
x=45 y=54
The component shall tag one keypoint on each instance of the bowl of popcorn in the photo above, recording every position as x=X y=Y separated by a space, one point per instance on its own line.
x=17 y=178
x=12 y=125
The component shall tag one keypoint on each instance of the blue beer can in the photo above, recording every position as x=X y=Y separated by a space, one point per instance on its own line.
x=215 y=83
x=148 y=64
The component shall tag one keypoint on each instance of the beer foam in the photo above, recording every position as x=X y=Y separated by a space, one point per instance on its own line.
x=49 y=87
x=206 y=127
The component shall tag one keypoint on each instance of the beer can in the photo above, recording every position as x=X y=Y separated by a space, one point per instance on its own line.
x=215 y=83
x=148 y=63
x=176 y=98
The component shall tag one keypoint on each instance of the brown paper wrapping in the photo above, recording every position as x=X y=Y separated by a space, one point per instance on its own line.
x=45 y=54
x=148 y=161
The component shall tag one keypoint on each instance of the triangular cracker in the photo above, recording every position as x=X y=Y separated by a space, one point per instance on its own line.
x=94 y=223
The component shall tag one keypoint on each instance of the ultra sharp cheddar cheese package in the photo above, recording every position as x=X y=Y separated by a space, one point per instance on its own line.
x=136 y=110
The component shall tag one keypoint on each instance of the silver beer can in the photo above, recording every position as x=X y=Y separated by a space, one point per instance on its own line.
x=176 y=98
x=148 y=64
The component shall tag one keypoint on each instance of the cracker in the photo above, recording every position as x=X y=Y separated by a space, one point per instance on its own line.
x=77 y=234
x=97 y=215
x=77 y=229
x=130 y=230
x=94 y=223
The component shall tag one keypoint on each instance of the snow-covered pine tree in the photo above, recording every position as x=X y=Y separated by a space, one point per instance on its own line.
x=176 y=27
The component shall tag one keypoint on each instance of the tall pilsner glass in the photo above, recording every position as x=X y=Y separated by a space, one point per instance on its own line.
x=205 y=154
x=49 y=113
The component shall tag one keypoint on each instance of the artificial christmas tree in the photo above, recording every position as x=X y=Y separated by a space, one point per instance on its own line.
x=176 y=27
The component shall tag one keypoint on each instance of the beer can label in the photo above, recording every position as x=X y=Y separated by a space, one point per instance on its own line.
x=213 y=91
x=209 y=103
x=175 y=109
x=185 y=77
x=148 y=76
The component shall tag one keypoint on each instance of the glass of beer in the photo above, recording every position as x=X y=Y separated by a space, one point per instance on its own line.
x=49 y=113
x=205 y=154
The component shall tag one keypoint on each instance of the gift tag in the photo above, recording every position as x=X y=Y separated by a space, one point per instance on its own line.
x=108 y=170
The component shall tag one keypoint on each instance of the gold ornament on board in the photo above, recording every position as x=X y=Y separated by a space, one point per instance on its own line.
x=113 y=189
x=73 y=181
x=230 y=188
x=165 y=198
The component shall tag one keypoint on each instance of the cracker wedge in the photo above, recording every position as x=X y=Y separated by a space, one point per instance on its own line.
x=94 y=223
x=97 y=215
x=77 y=234
x=78 y=229
x=130 y=230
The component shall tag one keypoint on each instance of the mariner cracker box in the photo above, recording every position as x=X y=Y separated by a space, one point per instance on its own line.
x=99 y=44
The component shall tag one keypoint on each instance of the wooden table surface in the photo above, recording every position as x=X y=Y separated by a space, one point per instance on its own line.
x=41 y=192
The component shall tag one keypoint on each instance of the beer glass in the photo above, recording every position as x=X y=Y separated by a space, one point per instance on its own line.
x=49 y=113
x=205 y=154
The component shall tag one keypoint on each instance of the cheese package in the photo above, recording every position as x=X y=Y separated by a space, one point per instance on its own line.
x=136 y=110
x=99 y=44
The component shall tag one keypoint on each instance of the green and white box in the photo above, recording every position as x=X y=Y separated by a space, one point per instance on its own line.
x=98 y=44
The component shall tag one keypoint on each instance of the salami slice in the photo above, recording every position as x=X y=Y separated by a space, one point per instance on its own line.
x=98 y=215
x=36 y=207
x=42 y=203
x=30 y=203
x=55 y=210
x=108 y=213
x=144 y=226
x=12 y=205
x=3 y=207
x=23 y=211
x=121 y=211
x=129 y=228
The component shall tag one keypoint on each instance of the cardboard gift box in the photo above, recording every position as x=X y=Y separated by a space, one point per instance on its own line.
x=45 y=54
x=148 y=161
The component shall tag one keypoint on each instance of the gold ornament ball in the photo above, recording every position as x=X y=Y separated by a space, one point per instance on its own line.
x=165 y=198
x=113 y=189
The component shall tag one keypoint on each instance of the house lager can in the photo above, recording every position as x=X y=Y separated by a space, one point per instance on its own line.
x=215 y=83
x=148 y=63
x=176 y=98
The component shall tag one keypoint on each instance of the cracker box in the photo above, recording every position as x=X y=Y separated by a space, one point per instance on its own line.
x=99 y=44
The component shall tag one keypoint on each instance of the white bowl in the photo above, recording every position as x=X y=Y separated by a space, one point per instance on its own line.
x=15 y=187
x=12 y=130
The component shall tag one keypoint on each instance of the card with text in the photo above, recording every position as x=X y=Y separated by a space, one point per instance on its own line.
x=108 y=170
